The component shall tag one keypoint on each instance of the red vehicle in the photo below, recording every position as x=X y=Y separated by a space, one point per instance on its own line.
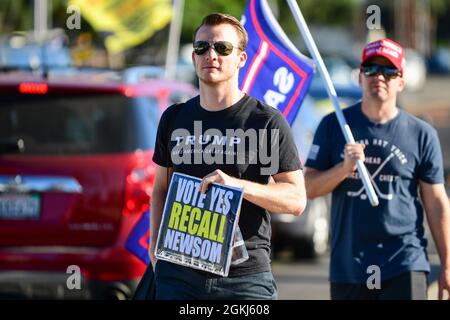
x=75 y=182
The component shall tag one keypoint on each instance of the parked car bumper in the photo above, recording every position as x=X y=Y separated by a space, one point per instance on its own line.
x=44 y=273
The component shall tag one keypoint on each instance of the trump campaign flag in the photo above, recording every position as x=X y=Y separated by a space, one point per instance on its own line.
x=275 y=72
x=138 y=241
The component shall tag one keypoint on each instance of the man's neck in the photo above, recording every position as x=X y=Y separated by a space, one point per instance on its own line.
x=219 y=96
x=379 y=111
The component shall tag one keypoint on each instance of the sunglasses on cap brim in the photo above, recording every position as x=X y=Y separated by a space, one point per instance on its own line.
x=224 y=48
x=373 y=69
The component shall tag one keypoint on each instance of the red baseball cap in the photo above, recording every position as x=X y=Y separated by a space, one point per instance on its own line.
x=387 y=48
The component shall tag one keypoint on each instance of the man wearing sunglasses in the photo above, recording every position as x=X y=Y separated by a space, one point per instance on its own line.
x=218 y=54
x=380 y=252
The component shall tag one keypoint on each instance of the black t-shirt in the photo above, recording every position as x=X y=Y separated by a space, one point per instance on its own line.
x=248 y=140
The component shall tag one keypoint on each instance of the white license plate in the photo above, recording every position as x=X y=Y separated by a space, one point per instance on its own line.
x=19 y=206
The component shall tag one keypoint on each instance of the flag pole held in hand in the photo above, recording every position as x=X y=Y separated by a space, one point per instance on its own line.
x=301 y=23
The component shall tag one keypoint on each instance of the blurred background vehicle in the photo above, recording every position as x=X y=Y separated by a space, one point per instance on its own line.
x=439 y=62
x=415 y=70
x=75 y=180
x=307 y=236
x=21 y=50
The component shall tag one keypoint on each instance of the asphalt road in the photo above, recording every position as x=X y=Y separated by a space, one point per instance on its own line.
x=308 y=280
x=302 y=280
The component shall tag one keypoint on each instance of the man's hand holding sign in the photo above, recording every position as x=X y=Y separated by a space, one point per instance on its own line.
x=197 y=229
x=288 y=186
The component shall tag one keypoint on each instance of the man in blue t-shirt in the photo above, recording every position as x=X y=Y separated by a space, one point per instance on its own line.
x=380 y=252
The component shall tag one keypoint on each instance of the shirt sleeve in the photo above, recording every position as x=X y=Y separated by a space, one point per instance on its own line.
x=288 y=158
x=431 y=163
x=161 y=156
x=319 y=155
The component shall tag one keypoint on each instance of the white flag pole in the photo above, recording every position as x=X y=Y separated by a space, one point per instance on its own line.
x=174 y=40
x=301 y=23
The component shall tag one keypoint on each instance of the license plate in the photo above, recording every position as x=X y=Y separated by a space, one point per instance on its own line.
x=19 y=206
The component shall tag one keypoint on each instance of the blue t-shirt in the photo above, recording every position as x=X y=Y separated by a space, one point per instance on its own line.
x=398 y=154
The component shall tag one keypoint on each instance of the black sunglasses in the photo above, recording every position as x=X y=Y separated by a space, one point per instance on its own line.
x=224 y=48
x=375 y=69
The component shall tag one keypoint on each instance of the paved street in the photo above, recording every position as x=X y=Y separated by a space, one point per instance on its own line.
x=307 y=280
x=302 y=280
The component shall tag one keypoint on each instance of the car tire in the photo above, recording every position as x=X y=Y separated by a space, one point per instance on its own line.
x=116 y=294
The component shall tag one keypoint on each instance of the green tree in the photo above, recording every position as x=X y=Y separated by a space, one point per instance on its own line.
x=332 y=12
x=195 y=10
x=439 y=6
x=327 y=12
x=15 y=15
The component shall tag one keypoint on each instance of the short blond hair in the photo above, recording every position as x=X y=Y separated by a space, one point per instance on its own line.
x=216 y=18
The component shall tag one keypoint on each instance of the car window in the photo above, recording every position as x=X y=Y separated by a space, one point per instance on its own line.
x=79 y=124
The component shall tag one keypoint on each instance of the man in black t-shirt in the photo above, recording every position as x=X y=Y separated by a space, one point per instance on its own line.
x=224 y=136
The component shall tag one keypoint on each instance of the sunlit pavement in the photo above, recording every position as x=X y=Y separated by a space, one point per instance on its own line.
x=308 y=280
x=302 y=280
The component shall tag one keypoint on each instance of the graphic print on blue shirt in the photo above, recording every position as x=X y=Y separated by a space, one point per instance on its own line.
x=381 y=160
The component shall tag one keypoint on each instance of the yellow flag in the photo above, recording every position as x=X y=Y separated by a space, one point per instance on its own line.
x=130 y=22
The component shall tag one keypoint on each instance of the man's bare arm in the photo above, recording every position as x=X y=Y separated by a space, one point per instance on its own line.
x=437 y=208
x=160 y=188
x=286 y=194
x=319 y=183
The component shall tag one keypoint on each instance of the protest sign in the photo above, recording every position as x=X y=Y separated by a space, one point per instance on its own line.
x=197 y=230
